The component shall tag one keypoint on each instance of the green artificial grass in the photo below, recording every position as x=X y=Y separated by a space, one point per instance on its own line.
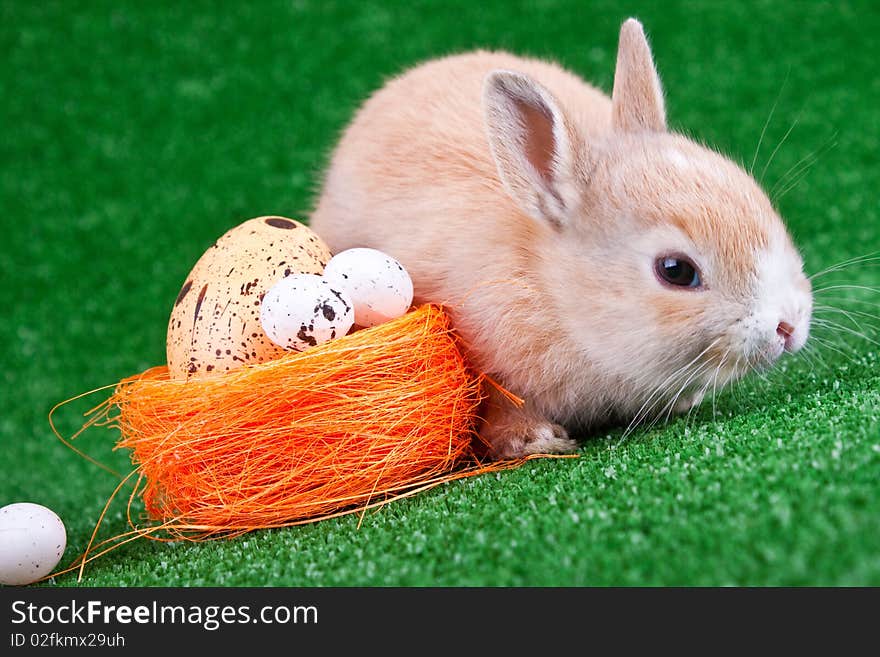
x=134 y=134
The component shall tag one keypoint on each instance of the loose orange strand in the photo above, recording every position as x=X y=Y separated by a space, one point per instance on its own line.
x=103 y=407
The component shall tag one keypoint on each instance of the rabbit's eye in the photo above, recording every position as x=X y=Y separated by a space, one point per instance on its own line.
x=677 y=270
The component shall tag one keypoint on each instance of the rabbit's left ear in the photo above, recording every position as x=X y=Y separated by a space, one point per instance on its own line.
x=637 y=99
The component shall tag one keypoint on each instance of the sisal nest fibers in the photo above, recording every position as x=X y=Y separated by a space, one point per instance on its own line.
x=349 y=424
x=352 y=424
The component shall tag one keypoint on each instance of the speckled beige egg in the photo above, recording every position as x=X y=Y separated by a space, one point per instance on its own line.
x=215 y=324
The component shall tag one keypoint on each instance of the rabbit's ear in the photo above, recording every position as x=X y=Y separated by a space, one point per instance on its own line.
x=532 y=144
x=637 y=99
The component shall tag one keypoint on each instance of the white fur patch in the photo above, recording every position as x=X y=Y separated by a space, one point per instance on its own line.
x=779 y=297
x=677 y=159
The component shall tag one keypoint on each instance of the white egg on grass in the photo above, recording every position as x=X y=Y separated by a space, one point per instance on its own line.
x=32 y=540
x=304 y=310
x=379 y=286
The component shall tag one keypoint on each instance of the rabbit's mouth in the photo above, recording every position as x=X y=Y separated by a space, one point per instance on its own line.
x=765 y=347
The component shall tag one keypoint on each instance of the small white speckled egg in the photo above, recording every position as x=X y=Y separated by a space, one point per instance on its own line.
x=379 y=285
x=32 y=540
x=305 y=310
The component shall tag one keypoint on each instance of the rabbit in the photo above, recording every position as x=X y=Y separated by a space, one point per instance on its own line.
x=596 y=265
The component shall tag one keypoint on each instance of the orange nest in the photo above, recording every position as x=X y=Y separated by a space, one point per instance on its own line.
x=375 y=415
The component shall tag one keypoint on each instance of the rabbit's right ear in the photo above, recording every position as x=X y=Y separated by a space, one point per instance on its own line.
x=532 y=144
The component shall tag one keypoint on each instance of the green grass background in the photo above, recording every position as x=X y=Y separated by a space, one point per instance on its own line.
x=135 y=133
